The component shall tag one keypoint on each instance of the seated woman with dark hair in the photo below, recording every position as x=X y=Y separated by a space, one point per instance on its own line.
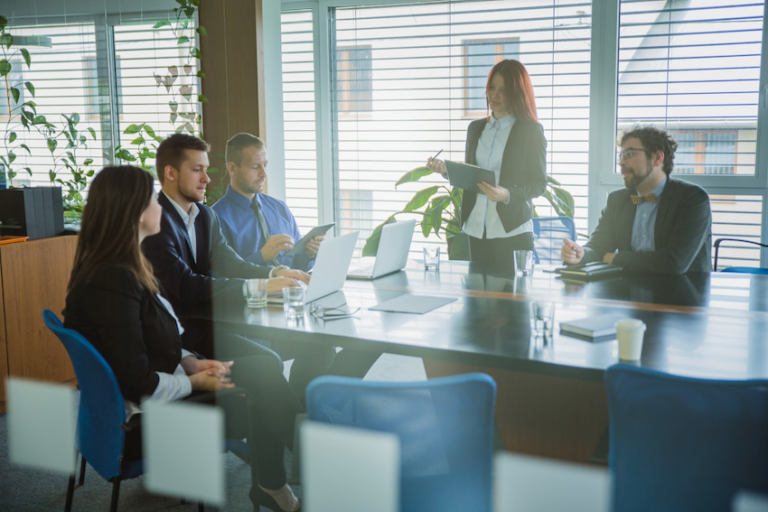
x=115 y=302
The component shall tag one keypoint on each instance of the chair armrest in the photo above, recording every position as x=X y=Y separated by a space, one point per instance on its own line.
x=721 y=240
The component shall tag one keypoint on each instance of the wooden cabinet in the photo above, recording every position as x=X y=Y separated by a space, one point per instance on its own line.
x=33 y=277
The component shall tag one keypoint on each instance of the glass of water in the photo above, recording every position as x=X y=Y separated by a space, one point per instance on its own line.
x=542 y=318
x=293 y=302
x=256 y=292
x=523 y=263
x=432 y=258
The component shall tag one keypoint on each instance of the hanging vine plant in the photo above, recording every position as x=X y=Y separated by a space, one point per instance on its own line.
x=178 y=82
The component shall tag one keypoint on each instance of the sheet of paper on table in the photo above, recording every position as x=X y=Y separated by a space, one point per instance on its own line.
x=417 y=304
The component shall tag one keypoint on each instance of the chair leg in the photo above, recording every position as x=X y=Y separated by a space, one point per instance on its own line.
x=115 y=495
x=70 y=494
x=82 y=470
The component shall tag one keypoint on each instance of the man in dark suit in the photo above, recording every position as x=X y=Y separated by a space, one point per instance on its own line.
x=200 y=271
x=657 y=223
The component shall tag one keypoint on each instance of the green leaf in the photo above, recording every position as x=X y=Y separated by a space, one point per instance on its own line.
x=39 y=120
x=149 y=131
x=29 y=171
x=88 y=161
x=196 y=3
x=567 y=199
x=16 y=94
x=435 y=211
x=92 y=132
x=371 y=246
x=134 y=128
x=5 y=67
x=3 y=22
x=201 y=98
x=27 y=58
x=459 y=247
x=52 y=143
x=426 y=225
x=201 y=30
x=182 y=40
x=189 y=11
x=553 y=181
x=174 y=116
x=196 y=53
x=11 y=137
x=414 y=175
x=174 y=106
x=200 y=74
x=185 y=24
x=11 y=157
x=90 y=173
x=52 y=176
x=6 y=40
x=420 y=199
x=30 y=88
x=138 y=140
x=186 y=91
x=161 y=24
x=27 y=148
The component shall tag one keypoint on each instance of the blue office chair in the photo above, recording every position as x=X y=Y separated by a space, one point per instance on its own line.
x=100 y=435
x=680 y=444
x=740 y=270
x=548 y=234
x=445 y=428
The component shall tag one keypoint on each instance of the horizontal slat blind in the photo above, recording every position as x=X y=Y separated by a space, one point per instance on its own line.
x=693 y=67
x=409 y=79
x=143 y=56
x=299 y=119
x=63 y=73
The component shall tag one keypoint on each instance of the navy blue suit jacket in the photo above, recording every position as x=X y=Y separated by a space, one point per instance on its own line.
x=192 y=286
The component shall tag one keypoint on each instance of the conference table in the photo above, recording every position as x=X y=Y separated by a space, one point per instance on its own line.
x=551 y=399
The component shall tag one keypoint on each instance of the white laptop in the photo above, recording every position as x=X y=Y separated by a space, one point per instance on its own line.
x=392 y=255
x=330 y=269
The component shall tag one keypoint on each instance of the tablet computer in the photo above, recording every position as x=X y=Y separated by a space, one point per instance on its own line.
x=299 y=247
x=467 y=176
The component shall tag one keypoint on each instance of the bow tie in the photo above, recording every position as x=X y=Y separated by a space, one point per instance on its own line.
x=650 y=198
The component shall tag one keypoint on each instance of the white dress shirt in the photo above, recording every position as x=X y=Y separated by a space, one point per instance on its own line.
x=189 y=222
x=490 y=151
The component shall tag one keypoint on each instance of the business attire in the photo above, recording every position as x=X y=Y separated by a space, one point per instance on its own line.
x=247 y=225
x=213 y=274
x=138 y=335
x=515 y=150
x=670 y=233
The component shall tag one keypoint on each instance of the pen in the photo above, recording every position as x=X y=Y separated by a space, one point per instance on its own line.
x=437 y=155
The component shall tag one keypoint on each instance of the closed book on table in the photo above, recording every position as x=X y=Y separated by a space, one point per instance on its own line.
x=590 y=271
x=593 y=327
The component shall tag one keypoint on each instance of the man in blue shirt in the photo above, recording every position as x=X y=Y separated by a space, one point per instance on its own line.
x=258 y=227
x=656 y=224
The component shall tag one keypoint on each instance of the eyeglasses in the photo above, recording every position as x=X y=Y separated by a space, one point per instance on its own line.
x=333 y=313
x=629 y=153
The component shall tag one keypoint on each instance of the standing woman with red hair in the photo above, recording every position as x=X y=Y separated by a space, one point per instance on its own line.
x=510 y=142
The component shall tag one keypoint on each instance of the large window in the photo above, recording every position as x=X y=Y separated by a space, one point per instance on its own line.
x=408 y=80
x=693 y=67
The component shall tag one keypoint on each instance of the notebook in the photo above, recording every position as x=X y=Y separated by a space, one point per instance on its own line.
x=592 y=327
x=590 y=271
x=467 y=176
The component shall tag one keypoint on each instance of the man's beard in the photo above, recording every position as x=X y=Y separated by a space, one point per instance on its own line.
x=635 y=180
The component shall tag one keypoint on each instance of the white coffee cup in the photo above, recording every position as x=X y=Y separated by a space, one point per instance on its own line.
x=630 y=332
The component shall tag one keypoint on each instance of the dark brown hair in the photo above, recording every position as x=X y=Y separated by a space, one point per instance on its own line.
x=654 y=140
x=171 y=152
x=236 y=145
x=109 y=232
x=518 y=89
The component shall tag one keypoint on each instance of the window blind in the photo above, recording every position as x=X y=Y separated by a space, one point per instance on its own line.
x=693 y=67
x=408 y=79
x=299 y=117
x=62 y=72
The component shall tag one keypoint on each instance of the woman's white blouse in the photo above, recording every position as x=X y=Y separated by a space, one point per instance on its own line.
x=490 y=151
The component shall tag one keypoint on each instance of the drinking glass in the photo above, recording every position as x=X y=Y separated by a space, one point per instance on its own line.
x=432 y=258
x=523 y=263
x=542 y=318
x=256 y=293
x=293 y=302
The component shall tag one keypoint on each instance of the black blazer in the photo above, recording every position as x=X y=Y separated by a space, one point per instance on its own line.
x=129 y=327
x=682 y=235
x=192 y=286
x=523 y=171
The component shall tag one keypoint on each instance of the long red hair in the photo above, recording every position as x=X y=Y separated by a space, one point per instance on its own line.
x=518 y=89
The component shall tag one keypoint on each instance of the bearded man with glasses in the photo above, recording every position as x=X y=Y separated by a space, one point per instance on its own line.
x=656 y=223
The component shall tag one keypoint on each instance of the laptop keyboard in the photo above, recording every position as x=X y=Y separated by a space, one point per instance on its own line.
x=362 y=271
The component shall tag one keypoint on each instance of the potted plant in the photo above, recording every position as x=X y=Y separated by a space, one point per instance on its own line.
x=440 y=208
